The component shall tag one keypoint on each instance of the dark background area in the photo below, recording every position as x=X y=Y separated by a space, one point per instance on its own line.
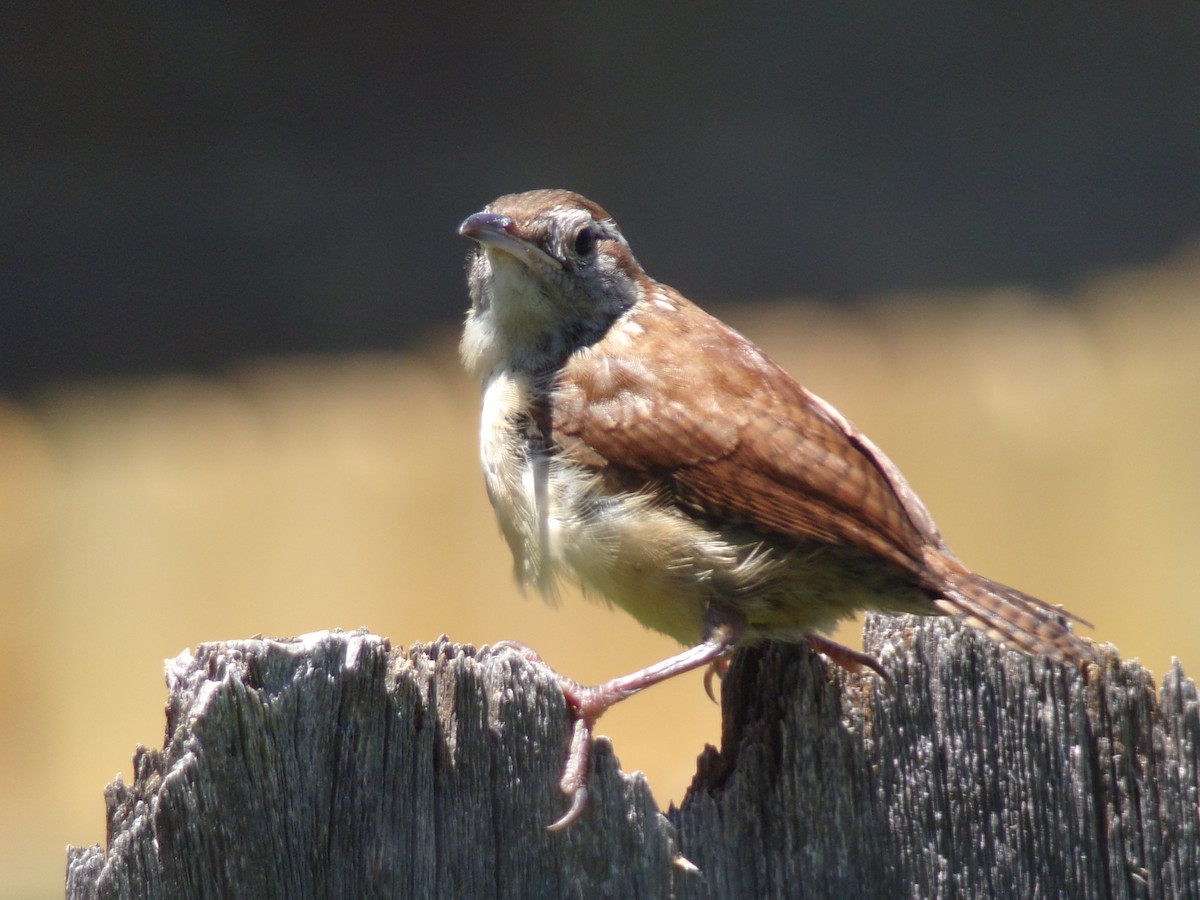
x=185 y=185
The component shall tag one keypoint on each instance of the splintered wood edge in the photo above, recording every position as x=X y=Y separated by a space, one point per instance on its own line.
x=490 y=761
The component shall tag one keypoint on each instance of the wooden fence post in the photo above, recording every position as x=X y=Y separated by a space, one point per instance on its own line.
x=335 y=766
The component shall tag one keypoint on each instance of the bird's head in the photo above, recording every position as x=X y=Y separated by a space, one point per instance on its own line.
x=550 y=272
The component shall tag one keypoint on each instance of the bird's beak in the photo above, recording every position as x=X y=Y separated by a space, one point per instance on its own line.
x=493 y=231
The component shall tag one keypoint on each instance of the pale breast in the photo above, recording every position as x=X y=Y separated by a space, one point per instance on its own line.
x=509 y=460
x=628 y=548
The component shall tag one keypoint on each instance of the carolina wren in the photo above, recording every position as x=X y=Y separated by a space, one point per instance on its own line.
x=639 y=446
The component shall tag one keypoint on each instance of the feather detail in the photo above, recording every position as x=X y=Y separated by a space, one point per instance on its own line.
x=745 y=445
x=1006 y=614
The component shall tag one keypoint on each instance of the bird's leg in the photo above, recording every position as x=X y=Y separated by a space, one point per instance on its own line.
x=850 y=660
x=587 y=703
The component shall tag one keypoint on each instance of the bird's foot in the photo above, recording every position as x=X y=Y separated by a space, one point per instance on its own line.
x=848 y=659
x=716 y=669
x=587 y=703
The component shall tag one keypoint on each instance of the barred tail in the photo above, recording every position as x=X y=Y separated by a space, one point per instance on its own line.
x=1007 y=615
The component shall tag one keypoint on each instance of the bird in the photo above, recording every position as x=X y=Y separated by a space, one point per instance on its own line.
x=639 y=447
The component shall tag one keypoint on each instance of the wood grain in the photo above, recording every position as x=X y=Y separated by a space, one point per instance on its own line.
x=335 y=765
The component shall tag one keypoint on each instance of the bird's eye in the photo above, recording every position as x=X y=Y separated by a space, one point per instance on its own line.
x=585 y=241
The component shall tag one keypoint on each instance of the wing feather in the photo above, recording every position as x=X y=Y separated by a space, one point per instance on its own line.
x=744 y=444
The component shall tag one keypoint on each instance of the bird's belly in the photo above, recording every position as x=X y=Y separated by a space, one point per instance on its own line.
x=649 y=560
x=670 y=571
x=664 y=567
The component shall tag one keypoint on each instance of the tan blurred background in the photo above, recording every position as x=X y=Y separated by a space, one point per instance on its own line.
x=1055 y=443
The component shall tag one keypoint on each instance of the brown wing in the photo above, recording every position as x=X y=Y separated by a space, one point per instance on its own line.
x=731 y=435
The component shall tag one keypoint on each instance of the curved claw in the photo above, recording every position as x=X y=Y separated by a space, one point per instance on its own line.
x=850 y=660
x=718 y=667
x=567 y=819
x=708 y=680
x=575 y=774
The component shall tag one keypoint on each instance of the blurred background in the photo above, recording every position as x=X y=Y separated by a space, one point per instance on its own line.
x=230 y=289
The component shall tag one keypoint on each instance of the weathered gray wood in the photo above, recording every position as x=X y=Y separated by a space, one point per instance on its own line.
x=333 y=766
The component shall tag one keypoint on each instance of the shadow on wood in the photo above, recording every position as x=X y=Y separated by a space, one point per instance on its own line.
x=332 y=765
